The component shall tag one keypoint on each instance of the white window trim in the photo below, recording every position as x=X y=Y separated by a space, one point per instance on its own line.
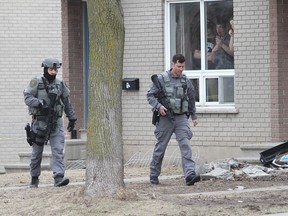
x=208 y=107
x=217 y=109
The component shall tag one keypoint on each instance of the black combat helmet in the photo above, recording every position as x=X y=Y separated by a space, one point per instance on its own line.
x=51 y=62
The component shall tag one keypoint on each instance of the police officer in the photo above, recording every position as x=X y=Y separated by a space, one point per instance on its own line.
x=180 y=95
x=46 y=97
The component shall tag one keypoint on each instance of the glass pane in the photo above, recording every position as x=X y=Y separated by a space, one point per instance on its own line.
x=227 y=89
x=195 y=83
x=219 y=35
x=212 y=90
x=185 y=32
x=210 y=43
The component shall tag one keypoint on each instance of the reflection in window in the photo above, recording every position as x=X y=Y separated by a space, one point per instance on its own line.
x=227 y=89
x=195 y=83
x=212 y=89
x=220 y=89
x=185 y=34
x=219 y=35
x=185 y=31
x=203 y=31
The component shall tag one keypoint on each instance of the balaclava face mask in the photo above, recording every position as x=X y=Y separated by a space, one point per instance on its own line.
x=49 y=77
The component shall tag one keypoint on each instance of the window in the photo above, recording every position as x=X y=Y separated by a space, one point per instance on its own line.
x=202 y=31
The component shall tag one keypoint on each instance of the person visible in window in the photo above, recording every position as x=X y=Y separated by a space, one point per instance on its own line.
x=223 y=55
x=174 y=110
x=231 y=33
x=46 y=97
x=210 y=45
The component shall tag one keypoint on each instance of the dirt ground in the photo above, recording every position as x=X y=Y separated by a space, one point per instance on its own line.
x=170 y=197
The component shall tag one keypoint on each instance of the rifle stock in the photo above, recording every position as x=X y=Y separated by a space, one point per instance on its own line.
x=51 y=118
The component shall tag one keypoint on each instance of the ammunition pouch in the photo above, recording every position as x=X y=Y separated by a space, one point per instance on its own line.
x=39 y=138
x=41 y=130
x=59 y=110
x=37 y=111
x=33 y=138
x=46 y=123
x=44 y=111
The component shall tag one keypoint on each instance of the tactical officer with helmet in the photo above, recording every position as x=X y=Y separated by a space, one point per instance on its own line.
x=47 y=97
x=172 y=96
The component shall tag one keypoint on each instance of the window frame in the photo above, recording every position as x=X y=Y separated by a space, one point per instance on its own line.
x=203 y=73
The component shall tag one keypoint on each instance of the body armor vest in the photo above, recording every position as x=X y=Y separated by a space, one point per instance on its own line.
x=42 y=94
x=41 y=115
x=176 y=93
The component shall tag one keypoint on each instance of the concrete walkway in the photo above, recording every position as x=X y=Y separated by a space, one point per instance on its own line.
x=130 y=180
x=146 y=179
x=279 y=214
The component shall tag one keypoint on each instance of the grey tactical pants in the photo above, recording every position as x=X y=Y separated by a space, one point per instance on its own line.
x=57 y=150
x=163 y=132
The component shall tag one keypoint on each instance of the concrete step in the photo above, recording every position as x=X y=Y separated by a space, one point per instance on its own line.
x=25 y=157
x=16 y=168
x=250 y=160
x=75 y=150
x=253 y=150
x=83 y=134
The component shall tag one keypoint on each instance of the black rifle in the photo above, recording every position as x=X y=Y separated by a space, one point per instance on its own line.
x=184 y=97
x=163 y=99
x=52 y=117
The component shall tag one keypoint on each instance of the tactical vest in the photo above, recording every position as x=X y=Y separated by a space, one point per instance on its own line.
x=40 y=126
x=176 y=93
x=42 y=94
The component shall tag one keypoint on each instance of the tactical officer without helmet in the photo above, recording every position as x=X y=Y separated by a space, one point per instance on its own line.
x=47 y=97
x=173 y=93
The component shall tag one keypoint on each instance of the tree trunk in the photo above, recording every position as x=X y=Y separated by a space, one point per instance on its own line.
x=104 y=163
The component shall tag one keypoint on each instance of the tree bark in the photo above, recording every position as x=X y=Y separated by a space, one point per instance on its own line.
x=104 y=163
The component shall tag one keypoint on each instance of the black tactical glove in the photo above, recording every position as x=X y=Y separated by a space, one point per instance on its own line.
x=42 y=103
x=71 y=124
x=44 y=109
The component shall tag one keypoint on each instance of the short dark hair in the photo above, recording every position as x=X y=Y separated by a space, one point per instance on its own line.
x=178 y=58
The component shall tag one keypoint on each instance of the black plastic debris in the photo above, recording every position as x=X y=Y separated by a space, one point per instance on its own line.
x=281 y=161
x=267 y=156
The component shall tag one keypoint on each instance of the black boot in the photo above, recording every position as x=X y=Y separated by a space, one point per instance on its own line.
x=154 y=180
x=34 y=182
x=192 y=179
x=60 y=181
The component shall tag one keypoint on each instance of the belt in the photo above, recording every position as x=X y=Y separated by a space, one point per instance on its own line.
x=178 y=114
x=39 y=118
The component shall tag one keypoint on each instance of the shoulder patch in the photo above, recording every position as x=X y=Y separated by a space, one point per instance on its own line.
x=33 y=83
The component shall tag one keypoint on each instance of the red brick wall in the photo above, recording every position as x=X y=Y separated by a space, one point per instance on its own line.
x=279 y=69
x=72 y=27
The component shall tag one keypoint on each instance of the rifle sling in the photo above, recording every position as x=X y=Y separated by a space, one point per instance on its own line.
x=45 y=85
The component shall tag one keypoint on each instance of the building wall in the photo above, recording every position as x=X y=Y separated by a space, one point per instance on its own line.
x=279 y=64
x=143 y=57
x=72 y=33
x=26 y=39
x=252 y=60
x=218 y=135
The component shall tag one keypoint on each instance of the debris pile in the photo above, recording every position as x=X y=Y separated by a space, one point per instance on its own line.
x=231 y=169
